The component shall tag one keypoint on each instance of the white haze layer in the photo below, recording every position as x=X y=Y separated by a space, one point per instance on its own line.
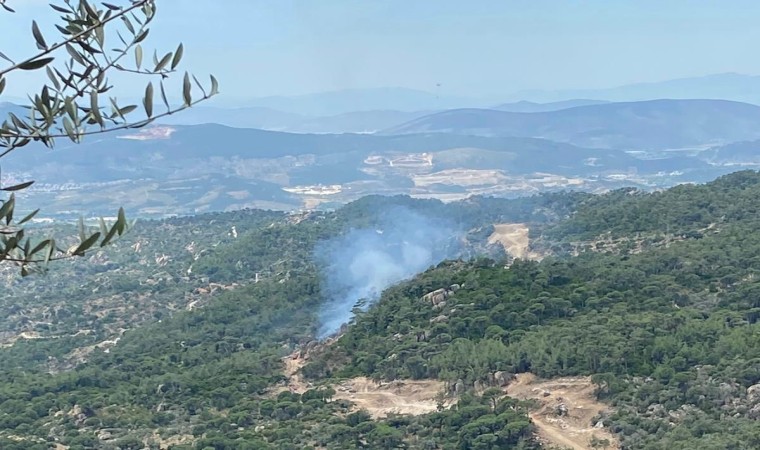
x=362 y=263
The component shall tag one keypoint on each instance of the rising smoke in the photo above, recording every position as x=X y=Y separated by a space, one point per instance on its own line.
x=360 y=264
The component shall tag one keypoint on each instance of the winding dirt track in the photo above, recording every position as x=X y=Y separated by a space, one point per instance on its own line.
x=574 y=430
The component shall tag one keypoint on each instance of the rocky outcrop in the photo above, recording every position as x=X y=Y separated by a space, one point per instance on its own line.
x=502 y=378
x=439 y=296
x=753 y=393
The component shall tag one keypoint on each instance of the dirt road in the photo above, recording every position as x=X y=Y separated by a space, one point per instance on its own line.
x=567 y=411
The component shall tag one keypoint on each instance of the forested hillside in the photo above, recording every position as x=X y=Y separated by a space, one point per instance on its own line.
x=666 y=324
x=653 y=295
x=183 y=323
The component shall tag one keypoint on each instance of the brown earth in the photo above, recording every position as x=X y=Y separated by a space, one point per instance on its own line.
x=514 y=238
x=412 y=397
x=296 y=383
x=576 y=428
x=460 y=177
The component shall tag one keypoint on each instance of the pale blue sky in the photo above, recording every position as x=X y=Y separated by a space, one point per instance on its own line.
x=472 y=48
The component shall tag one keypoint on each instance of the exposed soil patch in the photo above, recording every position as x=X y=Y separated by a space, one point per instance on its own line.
x=412 y=397
x=514 y=238
x=460 y=177
x=293 y=364
x=566 y=412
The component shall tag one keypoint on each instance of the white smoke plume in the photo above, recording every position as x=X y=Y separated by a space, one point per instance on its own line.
x=362 y=263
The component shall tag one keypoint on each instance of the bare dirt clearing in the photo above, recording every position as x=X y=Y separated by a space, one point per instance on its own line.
x=514 y=238
x=568 y=407
x=412 y=397
x=564 y=418
x=460 y=177
x=397 y=397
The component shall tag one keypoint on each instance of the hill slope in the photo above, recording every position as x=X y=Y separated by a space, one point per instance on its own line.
x=274 y=120
x=727 y=86
x=189 y=169
x=643 y=312
x=655 y=124
x=525 y=106
x=736 y=153
x=351 y=100
x=661 y=314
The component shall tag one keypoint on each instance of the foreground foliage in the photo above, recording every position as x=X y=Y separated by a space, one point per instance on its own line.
x=90 y=43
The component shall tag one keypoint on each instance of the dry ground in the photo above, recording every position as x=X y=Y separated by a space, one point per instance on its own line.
x=574 y=430
x=397 y=397
x=460 y=177
x=514 y=238
x=413 y=397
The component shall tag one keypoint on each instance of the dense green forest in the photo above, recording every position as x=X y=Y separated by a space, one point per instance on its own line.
x=175 y=337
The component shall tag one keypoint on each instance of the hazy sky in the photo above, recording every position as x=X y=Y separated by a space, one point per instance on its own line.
x=472 y=48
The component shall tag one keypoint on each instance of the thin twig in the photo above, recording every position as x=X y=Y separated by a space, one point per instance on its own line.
x=74 y=38
x=125 y=126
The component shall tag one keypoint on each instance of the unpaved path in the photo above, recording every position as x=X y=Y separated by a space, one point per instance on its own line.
x=575 y=429
x=514 y=238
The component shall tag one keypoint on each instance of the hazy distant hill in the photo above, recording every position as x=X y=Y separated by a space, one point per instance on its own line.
x=355 y=122
x=274 y=120
x=350 y=100
x=212 y=167
x=7 y=107
x=525 y=106
x=746 y=153
x=188 y=169
x=118 y=155
x=726 y=86
x=652 y=124
x=249 y=117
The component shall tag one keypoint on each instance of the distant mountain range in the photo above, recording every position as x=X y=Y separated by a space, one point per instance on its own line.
x=525 y=106
x=165 y=170
x=169 y=153
x=351 y=100
x=274 y=120
x=276 y=156
x=726 y=86
x=656 y=124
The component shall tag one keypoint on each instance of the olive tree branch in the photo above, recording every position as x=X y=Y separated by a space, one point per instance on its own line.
x=74 y=38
